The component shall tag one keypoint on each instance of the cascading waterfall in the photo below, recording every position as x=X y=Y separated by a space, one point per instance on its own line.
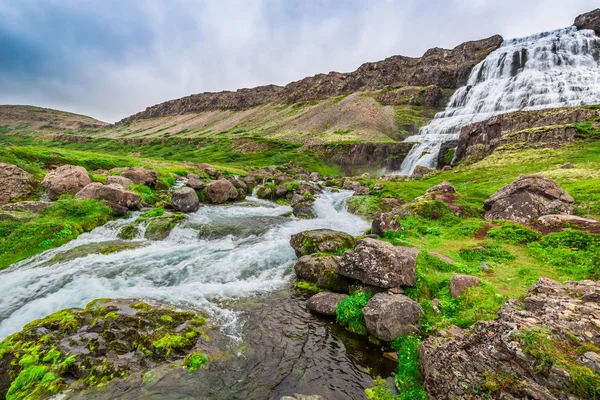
x=547 y=70
x=219 y=252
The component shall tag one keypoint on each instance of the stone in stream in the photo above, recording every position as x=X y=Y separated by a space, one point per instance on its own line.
x=319 y=269
x=389 y=316
x=111 y=193
x=68 y=179
x=380 y=264
x=220 y=191
x=303 y=206
x=321 y=241
x=325 y=303
x=460 y=283
x=528 y=198
x=160 y=227
x=185 y=200
x=109 y=247
x=16 y=183
x=141 y=176
x=109 y=339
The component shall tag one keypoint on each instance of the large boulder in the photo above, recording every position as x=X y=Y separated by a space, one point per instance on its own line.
x=515 y=356
x=321 y=241
x=15 y=183
x=68 y=179
x=528 y=198
x=319 y=269
x=112 y=193
x=389 y=316
x=590 y=20
x=325 y=303
x=460 y=283
x=220 y=191
x=185 y=200
x=141 y=176
x=380 y=264
x=385 y=222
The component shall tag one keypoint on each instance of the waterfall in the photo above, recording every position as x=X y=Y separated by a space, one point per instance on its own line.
x=547 y=70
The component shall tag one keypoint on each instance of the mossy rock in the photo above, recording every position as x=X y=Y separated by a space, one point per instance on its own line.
x=112 y=246
x=319 y=269
x=159 y=228
x=109 y=339
x=321 y=241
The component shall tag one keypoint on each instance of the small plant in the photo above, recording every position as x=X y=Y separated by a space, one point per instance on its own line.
x=194 y=361
x=349 y=312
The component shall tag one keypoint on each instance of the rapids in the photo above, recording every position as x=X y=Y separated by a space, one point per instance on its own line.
x=547 y=70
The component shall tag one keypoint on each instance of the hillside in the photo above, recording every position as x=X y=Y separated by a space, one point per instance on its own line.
x=19 y=118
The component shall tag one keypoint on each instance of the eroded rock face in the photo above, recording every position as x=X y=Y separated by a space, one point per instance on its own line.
x=385 y=222
x=112 y=193
x=106 y=340
x=15 y=183
x=141 y=176
x=220 y=191
x=325 y=303
x=380 y=264
x=495 y=359
x=68 y=179
x=460 y=283
x=528 y=198
x=185 y=200
x=590 y=20
x=320 y=269
x=321 y=241
x=389 y=316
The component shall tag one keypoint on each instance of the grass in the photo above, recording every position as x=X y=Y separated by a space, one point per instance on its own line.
x=349 y=312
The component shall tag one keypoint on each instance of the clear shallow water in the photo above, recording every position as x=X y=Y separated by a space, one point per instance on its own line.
x=547 y=70
x=192 y=266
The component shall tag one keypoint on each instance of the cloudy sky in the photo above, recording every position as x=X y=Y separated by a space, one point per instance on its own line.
x=111 y=58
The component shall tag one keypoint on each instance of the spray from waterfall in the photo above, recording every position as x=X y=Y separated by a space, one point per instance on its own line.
x=547 y=70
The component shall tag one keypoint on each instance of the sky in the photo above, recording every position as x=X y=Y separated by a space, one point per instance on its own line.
x=112 y=58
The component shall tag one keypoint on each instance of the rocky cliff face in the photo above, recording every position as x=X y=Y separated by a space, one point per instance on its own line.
x=590 y=20
x=440 y=67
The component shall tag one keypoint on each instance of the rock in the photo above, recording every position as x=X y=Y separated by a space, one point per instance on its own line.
x=15 y=183
x=385 y=222
x=68 y=179
x=119 y=180
x=281 y=191
x=528 y=198
x=31 y=206
x=569 y=220
x=442 y=257
x=220 y=191
x=265 y=192
x=391 y=355
x=303 y=397
x=321 y=240
x=359 y=189
x=302 y=207
x=325 y=303
x=238 y=184
x=591 y=360
x=421 y=171
x=160 y=227
x=185 y=200
x=320 y=269
x=499 y=355
x=315 y=177
x=446 y=168
x=141 y=176
x=567 y=165
x=108 y=247
x=194 y=182
x=111 y=193
x=389 y=316
x=590 y=20
x=109 y=339
x=307 y=187
x=443 y=187
x=380 y=264
x=460 y=283
x=485 y=267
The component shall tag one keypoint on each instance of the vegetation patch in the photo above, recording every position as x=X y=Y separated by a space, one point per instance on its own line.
x=349 y=312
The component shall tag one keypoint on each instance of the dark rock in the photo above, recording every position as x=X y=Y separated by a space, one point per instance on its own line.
x=325 y=303
x=141 y=176
x=112 y=193
x=528 y=198
x=15 y=183
x=380 y=264
x=321 y=240
x=385 y=222
x=68 y=179
x=389 y=316
x=590 y=20
x=460 y=283
x=320 y=269
x=220 y=191
x=185 y=200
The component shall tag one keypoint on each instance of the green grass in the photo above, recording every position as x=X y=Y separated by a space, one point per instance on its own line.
x=349 y=312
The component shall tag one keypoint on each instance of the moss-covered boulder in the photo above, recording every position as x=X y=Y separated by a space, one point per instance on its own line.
x=321 y=241
x=108 y=339
x=319 y=269
x=111 y=246
x=159 y=228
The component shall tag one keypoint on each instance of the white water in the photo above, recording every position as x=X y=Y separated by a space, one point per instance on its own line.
x=551 y=69
x=183 y=269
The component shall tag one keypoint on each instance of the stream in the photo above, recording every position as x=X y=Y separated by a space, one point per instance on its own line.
x=233 y=262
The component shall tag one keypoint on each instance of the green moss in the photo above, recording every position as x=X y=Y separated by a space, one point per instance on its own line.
x=308 y=286
x=349 y=312
x=148 y=194
x=379 y=391
x=408 y=378
x=170 y=342
x=194 y=361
